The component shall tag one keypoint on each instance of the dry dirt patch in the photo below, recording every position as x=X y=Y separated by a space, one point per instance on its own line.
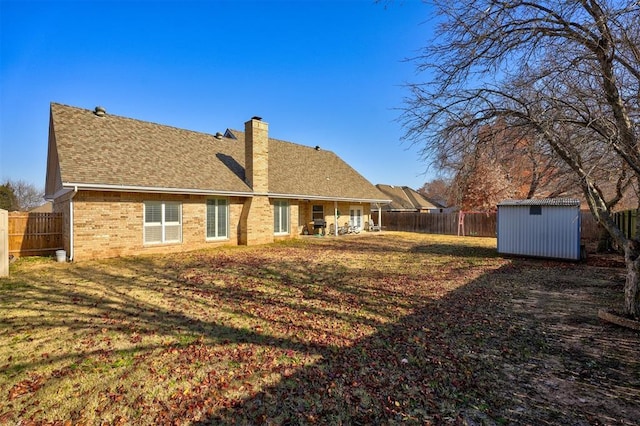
x=586 y=371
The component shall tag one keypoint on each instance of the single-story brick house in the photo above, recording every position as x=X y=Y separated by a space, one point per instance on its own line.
x=128 y=187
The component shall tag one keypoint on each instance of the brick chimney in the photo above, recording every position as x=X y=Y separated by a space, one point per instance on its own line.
x=256 y=160
x=256 y=219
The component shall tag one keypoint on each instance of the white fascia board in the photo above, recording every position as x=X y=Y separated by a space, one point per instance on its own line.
x=158 y=190
x=70 y=186
x=60 y=193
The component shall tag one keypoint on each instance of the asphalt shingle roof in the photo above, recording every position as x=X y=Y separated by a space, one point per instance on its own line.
x=405 y=198
x=119 y=151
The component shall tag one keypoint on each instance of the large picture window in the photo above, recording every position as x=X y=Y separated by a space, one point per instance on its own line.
x=281 y=217
x=162 y=222
x=217 y=218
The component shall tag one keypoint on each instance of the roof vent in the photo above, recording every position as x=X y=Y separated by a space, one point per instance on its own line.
x=255 y=117
x=100 y=111
x=218 y=135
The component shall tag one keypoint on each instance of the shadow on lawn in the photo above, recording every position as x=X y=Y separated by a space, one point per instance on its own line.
x=468 y=356
x=458 y=250
x=427 y=367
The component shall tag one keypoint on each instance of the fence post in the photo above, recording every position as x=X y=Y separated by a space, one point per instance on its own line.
x=4 y=243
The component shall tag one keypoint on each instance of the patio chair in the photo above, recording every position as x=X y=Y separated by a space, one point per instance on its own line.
x=344 y=229
x=373 y=226
x=354 y=229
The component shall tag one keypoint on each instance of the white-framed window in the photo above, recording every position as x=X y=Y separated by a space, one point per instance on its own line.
x=217 y=218
x=317 y=212
x=280 y=217
x=162 y=222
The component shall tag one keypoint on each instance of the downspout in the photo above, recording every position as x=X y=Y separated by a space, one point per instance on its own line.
x=75 y=191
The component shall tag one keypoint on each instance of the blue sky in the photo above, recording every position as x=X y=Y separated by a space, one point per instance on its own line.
x=327 y=73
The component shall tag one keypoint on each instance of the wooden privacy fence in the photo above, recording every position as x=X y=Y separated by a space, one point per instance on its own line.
x=34 y=234
x=475 y=224
x=626 y=221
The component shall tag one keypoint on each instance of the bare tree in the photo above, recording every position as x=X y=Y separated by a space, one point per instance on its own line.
x=27 y=196
x=566 y=73
x=438 y=190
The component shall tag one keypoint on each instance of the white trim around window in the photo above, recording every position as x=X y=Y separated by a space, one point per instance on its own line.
x=217 y=219
x=162 y=222
x=281 y=217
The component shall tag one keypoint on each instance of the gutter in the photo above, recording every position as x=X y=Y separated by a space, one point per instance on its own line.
x=63 y=191
x=75 y=191
x=166 y=190
x=151 y=190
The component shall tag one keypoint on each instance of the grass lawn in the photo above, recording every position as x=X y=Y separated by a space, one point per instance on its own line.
x=372 y=329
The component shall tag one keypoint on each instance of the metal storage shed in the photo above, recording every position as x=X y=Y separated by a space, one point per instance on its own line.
x=540 y=228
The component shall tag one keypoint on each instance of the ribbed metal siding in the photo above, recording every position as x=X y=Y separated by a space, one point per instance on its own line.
x=554 y=234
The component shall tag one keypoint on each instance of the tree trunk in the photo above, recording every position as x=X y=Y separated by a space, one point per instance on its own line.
x=604 y=240
x=632 y=284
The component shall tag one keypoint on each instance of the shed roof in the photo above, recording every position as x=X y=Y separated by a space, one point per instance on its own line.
x=542 y=202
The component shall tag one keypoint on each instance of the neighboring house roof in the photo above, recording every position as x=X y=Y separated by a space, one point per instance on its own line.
x=404 y=198
x=44 y=208
x=111 y=152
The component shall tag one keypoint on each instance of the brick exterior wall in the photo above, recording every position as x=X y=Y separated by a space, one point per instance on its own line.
x=256 y=224
x=109 y=224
